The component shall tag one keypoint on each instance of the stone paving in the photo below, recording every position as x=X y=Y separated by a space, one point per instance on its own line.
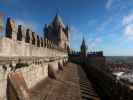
x=65 y=87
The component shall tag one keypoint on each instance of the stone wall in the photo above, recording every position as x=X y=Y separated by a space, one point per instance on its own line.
x=36 y=71
x=93 y=58
x=112 y=89
x=3 y=84
x=10 y=48
x=23 y=51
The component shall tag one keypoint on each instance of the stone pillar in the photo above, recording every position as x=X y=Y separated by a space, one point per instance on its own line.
x=38 y=41
x=34 y=38
x=45 y=42
x=28 y=36
x=48 y=42
x=19 y=33
x=51 y=44
x=10 y=29
x=42 y=42
x=54 y=46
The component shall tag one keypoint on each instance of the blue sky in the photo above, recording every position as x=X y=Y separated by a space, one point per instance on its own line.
x=106 y=24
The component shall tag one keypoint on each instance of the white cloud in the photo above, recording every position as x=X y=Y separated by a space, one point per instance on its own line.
x=75 y=38
x=129 y=31
x=98 y=40
x=93 y=43
x=114 y=4
x=128 y=19
x=128 y=26
x=109 y=4
x=75 y=34
x=102 y=26
x=25 y=24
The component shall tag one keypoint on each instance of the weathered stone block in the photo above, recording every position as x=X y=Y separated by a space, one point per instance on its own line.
x=38 y=41
x=19 y=33
x=28 y=36
x=42 y=42
x=60 y=65
x=11 y=29
x=16 y=87
x=34 y=38
x=53 y=69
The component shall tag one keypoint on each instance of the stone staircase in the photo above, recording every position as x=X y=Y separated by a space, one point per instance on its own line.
x=86 y=89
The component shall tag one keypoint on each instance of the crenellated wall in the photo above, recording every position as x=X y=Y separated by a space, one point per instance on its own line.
x=11 y=48
x=26 y=58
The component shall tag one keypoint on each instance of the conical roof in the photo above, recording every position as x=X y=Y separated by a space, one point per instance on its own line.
x=58 y=21
x=83 y=42
x=83 y=45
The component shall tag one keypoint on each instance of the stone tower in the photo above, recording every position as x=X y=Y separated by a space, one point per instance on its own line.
x=83 y=49
x=58 y=33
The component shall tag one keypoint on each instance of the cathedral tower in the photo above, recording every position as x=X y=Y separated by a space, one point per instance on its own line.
x=58 y=33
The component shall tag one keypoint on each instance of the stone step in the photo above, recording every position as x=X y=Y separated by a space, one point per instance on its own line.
x=86 y=89
x=89 y=93
x=85 y=85
x=89 y=98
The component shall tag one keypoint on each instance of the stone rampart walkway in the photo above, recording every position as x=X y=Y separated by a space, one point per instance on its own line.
x=65 y=87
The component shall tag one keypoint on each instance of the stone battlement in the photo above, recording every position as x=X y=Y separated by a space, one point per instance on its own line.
x=11 y=48
x=25 y=56
x=20 y=35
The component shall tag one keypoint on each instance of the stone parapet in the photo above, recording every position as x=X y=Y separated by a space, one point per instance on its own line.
x=10 y=48
x=25 y=60
x=33 y=70
x=21 y=35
